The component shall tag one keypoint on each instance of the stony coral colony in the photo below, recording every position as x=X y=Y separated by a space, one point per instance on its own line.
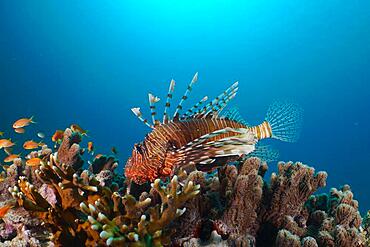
x=60 y=202
x=49 y=197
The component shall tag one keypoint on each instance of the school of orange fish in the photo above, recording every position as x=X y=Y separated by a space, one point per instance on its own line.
x=19 y=127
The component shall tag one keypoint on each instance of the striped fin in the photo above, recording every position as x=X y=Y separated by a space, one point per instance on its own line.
x=152 y=100
x=285 y=121
x=168 y=101
x=185 y=96
x=207 y=153
x=188 y=113
x=139 y=115
x=226 y=100
x=218 y=103
x=203 y=138
x=264 y=152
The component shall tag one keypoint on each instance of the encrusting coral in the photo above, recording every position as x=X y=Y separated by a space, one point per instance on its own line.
x=62 y=203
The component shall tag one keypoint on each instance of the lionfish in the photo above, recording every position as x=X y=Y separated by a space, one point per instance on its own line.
x=203 y=137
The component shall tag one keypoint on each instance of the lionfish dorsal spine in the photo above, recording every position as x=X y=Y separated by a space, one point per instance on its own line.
x=214 y=106
x=194 y=108
x=185 y=96
x=152 y=100
x=168 y=102
x=223 y=102
x=212 y=109
x=139 y=115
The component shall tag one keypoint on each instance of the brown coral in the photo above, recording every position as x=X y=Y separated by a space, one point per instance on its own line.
x=233 y=207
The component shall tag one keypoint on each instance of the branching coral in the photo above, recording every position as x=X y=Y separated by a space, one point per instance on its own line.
x=87 y=207
x=234 y=206
x=135 y=223
x=64 y=186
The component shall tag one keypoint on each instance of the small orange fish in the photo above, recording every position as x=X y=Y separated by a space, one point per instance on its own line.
x=20 y=130
x=6 y=143
x=6 y=167
x=11 y=158
x=57 y=136
x=4 y=210
x=23 y=122
x=33 y=161
x=77 y=128
x=90 y=147
x=32 y=144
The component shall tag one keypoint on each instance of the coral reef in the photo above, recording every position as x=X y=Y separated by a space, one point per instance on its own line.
x=64 y=202
x=365 y=230
x=283 y=212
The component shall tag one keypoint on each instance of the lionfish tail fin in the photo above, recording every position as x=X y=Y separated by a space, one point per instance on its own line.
x=264 y=152
x=285 y=120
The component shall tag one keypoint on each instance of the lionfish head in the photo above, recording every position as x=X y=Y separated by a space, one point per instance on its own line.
x=135 y=169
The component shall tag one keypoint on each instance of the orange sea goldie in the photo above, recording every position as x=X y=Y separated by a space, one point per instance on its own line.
x=23 y=122
x=32 y=144
x=77 y=128
x=90 y=147
x=11 y=158
x=33 y=162
x=4 y=210
x=20 y=130
x=205 y=138
x=57 y=136
x=6 y=143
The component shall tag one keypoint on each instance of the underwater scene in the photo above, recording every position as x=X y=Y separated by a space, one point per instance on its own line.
x=185 y=123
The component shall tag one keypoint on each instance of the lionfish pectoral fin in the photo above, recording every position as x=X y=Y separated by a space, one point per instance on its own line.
x=206 y=153
x=264 y=152
x=203 y=139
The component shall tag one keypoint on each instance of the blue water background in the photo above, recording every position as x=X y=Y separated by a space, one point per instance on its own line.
x=89 y=62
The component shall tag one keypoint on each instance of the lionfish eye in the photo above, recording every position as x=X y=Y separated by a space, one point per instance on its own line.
x=138 y=148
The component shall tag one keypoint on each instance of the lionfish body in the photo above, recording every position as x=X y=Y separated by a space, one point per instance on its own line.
x=203 y=136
